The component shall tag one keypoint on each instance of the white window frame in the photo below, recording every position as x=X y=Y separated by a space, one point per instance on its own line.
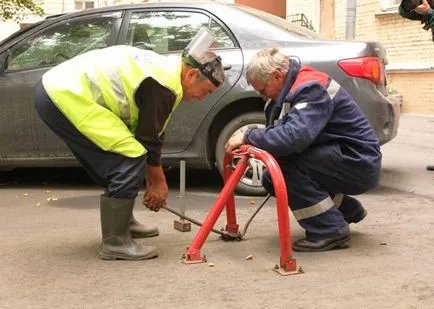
x=389 y=5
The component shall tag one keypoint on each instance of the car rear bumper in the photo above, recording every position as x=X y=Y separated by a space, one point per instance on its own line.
x=390 y=125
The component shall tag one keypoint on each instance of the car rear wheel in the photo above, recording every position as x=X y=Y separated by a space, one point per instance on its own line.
x=251 y=182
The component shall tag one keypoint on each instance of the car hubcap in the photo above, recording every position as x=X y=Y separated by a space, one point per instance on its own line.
x=253 y=174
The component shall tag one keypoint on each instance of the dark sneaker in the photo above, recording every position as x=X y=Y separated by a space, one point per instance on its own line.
x=430 y=167
x=306 y=245
x=352 y=209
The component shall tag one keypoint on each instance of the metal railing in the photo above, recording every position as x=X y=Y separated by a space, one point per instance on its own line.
x=301 y=20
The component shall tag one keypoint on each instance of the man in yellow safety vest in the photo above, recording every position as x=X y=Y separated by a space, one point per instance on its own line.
x=111 y=107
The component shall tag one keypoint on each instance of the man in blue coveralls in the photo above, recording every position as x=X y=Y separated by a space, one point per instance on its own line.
x=324 y=144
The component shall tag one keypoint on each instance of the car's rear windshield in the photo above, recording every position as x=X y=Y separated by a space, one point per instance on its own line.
x=279 y=22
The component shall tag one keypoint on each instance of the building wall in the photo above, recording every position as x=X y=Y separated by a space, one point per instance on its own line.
x=340 y=17
x=310 y=8
x=327 y=19
x=416 y=89
x=276 y=7
x=317 y=11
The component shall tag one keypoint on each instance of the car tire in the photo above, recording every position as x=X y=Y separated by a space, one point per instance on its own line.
x=251 y=183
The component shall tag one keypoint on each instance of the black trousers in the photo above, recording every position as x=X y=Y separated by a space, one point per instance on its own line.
x=121 y=176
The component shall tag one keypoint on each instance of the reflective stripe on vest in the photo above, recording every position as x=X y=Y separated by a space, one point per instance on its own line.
x=95 y=91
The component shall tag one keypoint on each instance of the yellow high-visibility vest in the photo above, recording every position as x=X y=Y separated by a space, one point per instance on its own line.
x=95 y=91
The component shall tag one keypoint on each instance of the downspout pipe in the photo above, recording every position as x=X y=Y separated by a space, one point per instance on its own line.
x=350 y=22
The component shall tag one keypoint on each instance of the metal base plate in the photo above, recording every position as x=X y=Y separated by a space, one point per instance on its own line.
x=185 y=261
x=284 y=272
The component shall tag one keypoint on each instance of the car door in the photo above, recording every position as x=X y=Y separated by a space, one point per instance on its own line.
x=168 y=31
x=22 y=133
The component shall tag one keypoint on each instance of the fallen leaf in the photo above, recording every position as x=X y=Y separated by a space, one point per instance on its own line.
x=211 y=265
x=38 y=204
x=25 y=194
x=48 y=191
x=52 y=199
x=383 y=244
x=252 y=202
x=249 y=257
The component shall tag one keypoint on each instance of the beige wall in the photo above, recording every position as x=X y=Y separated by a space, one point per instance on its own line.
x=327 y=19
x=312 y=10
x=276 y=7
x=308 y=7
x=417 y=91
x=340 y=15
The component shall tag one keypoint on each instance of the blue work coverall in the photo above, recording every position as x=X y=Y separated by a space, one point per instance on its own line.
x=325 y=147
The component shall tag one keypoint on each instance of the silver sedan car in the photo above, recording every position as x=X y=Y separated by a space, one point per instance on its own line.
x=198 y=130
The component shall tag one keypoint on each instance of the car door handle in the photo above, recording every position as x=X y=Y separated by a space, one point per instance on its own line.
x=227 y=67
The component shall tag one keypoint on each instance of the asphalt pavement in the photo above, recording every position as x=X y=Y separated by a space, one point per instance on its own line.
x=51 y=235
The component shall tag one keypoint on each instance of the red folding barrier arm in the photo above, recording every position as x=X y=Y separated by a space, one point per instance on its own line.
x=193 y=252
x=287 y=263
x=231 y=226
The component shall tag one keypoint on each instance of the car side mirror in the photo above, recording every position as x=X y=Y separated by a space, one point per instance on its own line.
x=3 y=61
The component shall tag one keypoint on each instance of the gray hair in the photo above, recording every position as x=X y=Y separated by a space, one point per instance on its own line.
x=219 y=73
x=264 y=62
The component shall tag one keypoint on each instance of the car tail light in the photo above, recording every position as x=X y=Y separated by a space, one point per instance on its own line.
x=364 y=67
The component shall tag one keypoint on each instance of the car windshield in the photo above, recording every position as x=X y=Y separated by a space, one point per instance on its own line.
x=279 y=22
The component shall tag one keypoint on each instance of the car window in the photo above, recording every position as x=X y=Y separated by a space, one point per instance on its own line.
x=222 y=39
x=169 y=31
x=62 y=42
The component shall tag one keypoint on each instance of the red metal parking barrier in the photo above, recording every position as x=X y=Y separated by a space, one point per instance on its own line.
x=288 y=264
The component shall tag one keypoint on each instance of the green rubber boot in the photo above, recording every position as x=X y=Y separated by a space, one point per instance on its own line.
x=117 y=243
x=139 y=230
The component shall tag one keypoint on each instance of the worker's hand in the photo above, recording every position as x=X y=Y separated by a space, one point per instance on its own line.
x=423 y=8
x=234 y=142
x=156 y=188
x=155 y=196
